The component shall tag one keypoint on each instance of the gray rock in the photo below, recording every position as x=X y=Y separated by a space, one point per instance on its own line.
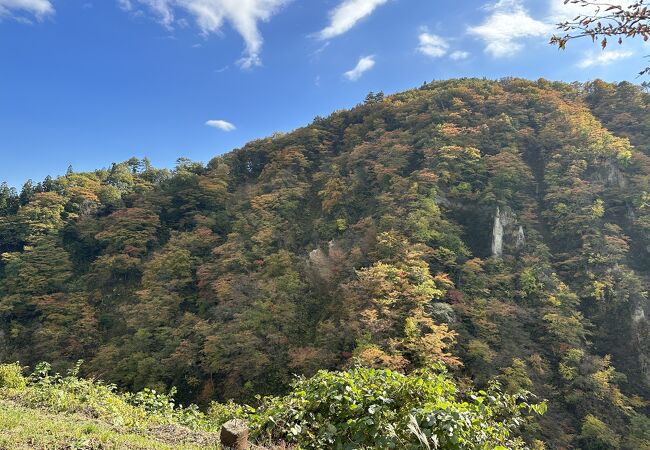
x=441 y=312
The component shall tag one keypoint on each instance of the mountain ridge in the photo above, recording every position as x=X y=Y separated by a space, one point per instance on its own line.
x=365 y=237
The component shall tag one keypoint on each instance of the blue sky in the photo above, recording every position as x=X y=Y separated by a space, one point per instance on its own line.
x=89 y=82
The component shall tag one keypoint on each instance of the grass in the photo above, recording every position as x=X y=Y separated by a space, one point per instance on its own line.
x=34 y=428
x=45 y=411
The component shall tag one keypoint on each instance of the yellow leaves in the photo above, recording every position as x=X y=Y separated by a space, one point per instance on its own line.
x=553 y=301
x=427 y=177
x=592 y=139
x=538 y=363
x=332 y=194
x=443 y=281
x=449 y=129
x=644 y=201
x=41 y=215
x=214 y=187
x=530 y=287
x=129 y=230
x=373 y=356
x=428 y=342
x=453 y=152
x=624 y=156
x=598 y=290
x=263 y=236
x=264 y=201
x=411 y=329
x=452 y=130
x=425 y=342
x=570 y=362
x=566 y=330
x=289 y=160
x=602 y=379
x=567 y=372
x=394 y=296
x=7 y=257
x=598 y=209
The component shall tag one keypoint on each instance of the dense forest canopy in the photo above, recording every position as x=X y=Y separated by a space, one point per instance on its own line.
x=499 y=227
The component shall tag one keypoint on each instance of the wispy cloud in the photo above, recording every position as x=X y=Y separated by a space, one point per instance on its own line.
x=210 y=15
x=221 y=125
x=458 y=55
x=432 y=45
x=36 y=8
x=506 y=25
x=365 y=64
x=561 y=11
x=603 y=58
x=347 y=14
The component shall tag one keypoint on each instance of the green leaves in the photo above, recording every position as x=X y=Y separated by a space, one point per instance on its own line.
x=373 y=408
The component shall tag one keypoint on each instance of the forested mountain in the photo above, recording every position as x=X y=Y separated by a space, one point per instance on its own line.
x=502 y=228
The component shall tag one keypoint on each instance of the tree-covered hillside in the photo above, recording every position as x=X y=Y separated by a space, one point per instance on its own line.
x=502 y=228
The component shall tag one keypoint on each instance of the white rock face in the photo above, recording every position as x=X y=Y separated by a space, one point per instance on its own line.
x=638 y=315
x=505 y=229
x=521 y=238
x=497 y=235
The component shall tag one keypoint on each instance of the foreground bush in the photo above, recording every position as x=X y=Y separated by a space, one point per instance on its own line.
x=371 y=408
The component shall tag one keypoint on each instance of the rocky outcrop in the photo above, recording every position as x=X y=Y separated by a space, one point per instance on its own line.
x=640 y=328
x=441 y=312
x=507 y=233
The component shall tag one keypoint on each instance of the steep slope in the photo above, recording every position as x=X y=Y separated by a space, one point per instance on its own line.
x=500 y=227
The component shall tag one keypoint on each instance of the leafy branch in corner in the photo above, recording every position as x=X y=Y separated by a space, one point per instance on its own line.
x=605 y=21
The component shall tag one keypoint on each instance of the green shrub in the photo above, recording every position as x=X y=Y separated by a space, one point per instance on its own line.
x=596 y=435
x=220 y=413
x=11 y=376
x=638 y=437
x=371 y=408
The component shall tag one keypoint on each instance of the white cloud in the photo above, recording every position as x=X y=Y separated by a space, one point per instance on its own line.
x=458 y=55
x=432 y=45
x=603 y=58
x=221 y=125
x=347 y=14
x=561 y=12
x=162 y=9
x=365 y=63
x=508 y=23
x=210 y=15
x=38 y=8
